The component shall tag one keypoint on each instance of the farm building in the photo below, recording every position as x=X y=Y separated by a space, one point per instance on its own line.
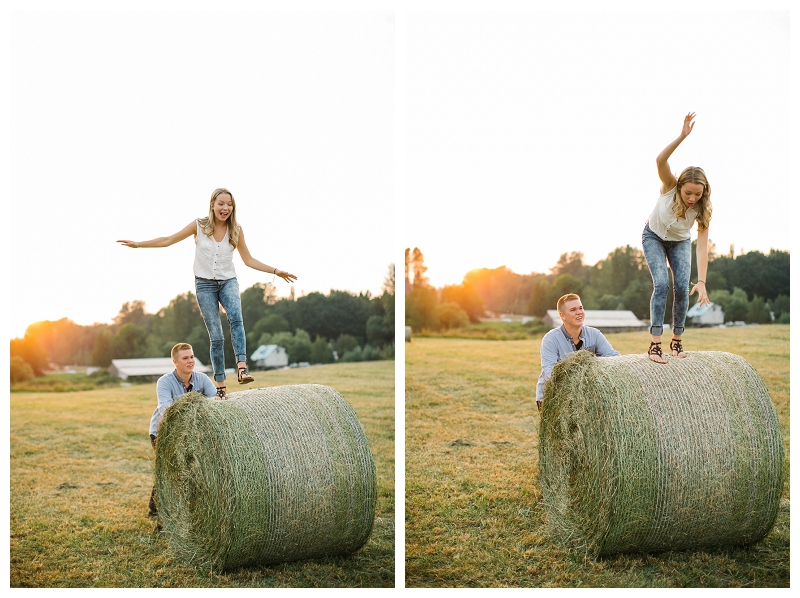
x=270 y=356
x=706 y=315
x=147 y=368
x=606 y=320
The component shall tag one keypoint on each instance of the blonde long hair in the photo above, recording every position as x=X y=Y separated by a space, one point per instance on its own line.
x=694 y=174
x=208 y=223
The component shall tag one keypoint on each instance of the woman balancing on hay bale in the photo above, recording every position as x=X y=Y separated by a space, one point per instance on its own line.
x=667 y=238
x=215 y=278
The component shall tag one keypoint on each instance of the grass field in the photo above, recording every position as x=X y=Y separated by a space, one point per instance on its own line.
x=473 y=517
x=82 y=471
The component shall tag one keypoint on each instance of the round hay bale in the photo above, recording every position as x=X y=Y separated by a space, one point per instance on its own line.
x=408 y=334
x=639 y=456
x=271 y=475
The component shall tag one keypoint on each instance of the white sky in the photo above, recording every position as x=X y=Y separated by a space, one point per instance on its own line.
x=484 y=137
x=532 y=134
x=123 y=123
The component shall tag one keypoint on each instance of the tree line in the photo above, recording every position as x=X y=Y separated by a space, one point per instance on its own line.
x=311 y=328
x=751 y=287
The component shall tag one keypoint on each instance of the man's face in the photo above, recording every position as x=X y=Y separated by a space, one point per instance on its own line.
x=185 y=362
x=573 y=313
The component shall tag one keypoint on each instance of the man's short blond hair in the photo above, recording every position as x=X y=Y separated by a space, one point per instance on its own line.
x=564 y=299
x=178 y=348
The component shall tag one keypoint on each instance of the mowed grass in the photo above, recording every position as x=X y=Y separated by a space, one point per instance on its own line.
x=82 y=471
x=473 y=516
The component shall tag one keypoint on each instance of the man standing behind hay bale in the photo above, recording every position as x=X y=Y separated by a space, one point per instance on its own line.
x=571 y=336
x=178 y=382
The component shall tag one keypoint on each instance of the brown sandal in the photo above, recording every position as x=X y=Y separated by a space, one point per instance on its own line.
x=655 y=349
x=675 y=345
x=244 y=377
x=221 y=394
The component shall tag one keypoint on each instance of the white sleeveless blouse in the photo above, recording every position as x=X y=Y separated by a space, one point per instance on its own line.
x=212 y=260
x=666 y=224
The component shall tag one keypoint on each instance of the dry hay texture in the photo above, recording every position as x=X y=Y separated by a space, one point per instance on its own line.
x=271 y=475
x=643 y=457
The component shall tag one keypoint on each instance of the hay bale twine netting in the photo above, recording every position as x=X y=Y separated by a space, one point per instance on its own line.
x=270 y=475
x=639 y=456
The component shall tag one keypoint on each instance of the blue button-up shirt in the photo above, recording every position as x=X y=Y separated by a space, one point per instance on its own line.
x=557 y=345
x=169 y=387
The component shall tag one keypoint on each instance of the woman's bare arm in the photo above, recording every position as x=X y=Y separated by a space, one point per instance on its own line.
x=185 y=232
x=668 y=180
x=702 y=268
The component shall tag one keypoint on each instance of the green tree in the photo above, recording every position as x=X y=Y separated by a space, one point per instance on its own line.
x=21 y=371
x=539 y=302
x=352 y=355
x=734 y=305
x=502 y=290
x=370 y=353
x=129 y=342
x=301 y=348
x=418 y=268
x=755 y=273
x=388 y=318
x=29 y=350
x=758 y=311
x=388 y=281
x=64 y=341
x=133 y=313
x=466 y=297
x=571 y=264
x=255 y=302
x=200 y=342
x=340 y=312
x=613 y=275
x=450 y=315
x=563 y=284
x=714 y=280
x=345 y=343
x=421 y=306
x=637 y=297
x=175 y=323
x=101 y=353
x=321 y=351
x=780 y=306
x=270 y=323
x=375 y=330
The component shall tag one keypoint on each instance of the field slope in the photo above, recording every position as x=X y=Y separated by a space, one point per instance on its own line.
x=82 y=470
x=473 y=517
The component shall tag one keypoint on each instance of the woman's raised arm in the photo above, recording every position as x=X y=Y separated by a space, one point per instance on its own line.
x=668 y=180
x=185 y=232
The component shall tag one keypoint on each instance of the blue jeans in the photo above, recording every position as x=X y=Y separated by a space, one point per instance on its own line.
x=658 y=252
x=210 y=293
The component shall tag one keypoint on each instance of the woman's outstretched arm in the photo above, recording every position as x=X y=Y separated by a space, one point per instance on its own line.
x=252 y=262
x=668 y=180
x=185 y=232
x=702 y=268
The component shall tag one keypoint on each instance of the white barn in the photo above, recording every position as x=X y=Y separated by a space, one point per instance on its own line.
x=270 y=356
x=706 y=315
x=606 y=320
x=147 y=367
